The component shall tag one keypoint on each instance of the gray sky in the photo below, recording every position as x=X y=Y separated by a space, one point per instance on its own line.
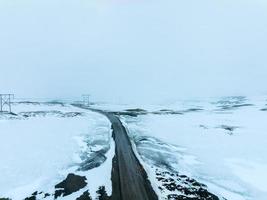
x=133 y=50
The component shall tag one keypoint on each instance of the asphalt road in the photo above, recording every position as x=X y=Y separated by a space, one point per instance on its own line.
x=129 y=179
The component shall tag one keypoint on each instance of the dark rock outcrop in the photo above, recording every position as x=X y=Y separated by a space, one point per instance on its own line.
x=71 y=184
x=85 y=196
x=102 y=194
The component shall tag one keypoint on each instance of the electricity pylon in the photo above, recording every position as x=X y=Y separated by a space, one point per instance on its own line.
x=5 y=101
x=86 y=99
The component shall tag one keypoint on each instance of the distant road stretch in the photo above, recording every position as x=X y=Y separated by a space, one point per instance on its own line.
x=129 y=179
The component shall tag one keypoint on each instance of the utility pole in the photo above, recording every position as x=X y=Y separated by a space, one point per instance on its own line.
x=86 y=99
x=5 y=100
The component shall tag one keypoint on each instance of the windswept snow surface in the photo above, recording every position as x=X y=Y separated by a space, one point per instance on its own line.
x=222 y=143
x=45 y=142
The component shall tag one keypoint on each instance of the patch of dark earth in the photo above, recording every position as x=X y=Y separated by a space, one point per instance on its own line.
x=138 y=111
x=26 y=115
x=231 y=103
x=167 y=112
x=85 y=196
x=50 y=113
x=203 y=126
x=9 y=116
x=183 y=187
x=49 y=103
x=131 y=112
x=192 y=110
x=73 y=183
x=231 y=100
x=102 y=194
x=229 y=129
x=38 y=195
x=232 y=107
x=27 y=103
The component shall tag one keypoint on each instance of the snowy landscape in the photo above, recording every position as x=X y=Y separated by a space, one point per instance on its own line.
x=221 y=143
x=41 y=143
x=133 y=100
x=216 y=145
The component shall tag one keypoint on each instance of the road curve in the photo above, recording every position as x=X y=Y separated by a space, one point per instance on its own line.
x=129 y=179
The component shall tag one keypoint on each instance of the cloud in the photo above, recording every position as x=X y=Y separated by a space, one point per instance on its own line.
x=133 y=51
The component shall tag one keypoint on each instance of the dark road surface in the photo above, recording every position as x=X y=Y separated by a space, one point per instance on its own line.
x=129 y=179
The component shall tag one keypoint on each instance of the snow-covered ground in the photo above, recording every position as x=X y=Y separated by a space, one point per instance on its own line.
x=44 y=142
x=220 y=142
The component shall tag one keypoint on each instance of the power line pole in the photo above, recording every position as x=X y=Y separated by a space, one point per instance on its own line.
x=5 y=100
x=86 y=99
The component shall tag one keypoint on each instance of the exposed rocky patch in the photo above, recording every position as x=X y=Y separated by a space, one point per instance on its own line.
x=242 y=105
x=37 y=195
x=50 y=113
x=8 y=115
x=28 y=103
x=71 y=184
x=49 y=103
x=192 y=110
x=85 y=196
x=167 y=112
x=137 y=112
x=33 y=197
x=231 y=107
x=102 y=194
x=55 y=102
x=203 y=126
x=131 y=112
x=32 y=114
x=231 y=103
x=181 y=187
x=229 y=129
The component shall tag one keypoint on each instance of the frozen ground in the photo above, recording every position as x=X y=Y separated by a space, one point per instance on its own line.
x=190 y=149
x=44 y=142
x=220 y=143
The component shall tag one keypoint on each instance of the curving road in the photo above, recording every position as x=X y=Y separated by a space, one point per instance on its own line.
x=129 y=179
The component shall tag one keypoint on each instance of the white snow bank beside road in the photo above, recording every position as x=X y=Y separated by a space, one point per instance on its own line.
x=35 y=152
x=233 y=163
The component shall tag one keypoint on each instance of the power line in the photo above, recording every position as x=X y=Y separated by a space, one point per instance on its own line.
x=86 y=99
x=5 y=101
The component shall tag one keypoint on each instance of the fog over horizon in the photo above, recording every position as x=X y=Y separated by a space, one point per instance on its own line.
x=133 y=50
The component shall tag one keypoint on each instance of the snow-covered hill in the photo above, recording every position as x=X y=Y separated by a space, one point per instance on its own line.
x=220 y=143
x=41 y=143
x=190 y=149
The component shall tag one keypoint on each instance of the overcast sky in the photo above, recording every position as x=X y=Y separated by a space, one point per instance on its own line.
x=133 y=50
